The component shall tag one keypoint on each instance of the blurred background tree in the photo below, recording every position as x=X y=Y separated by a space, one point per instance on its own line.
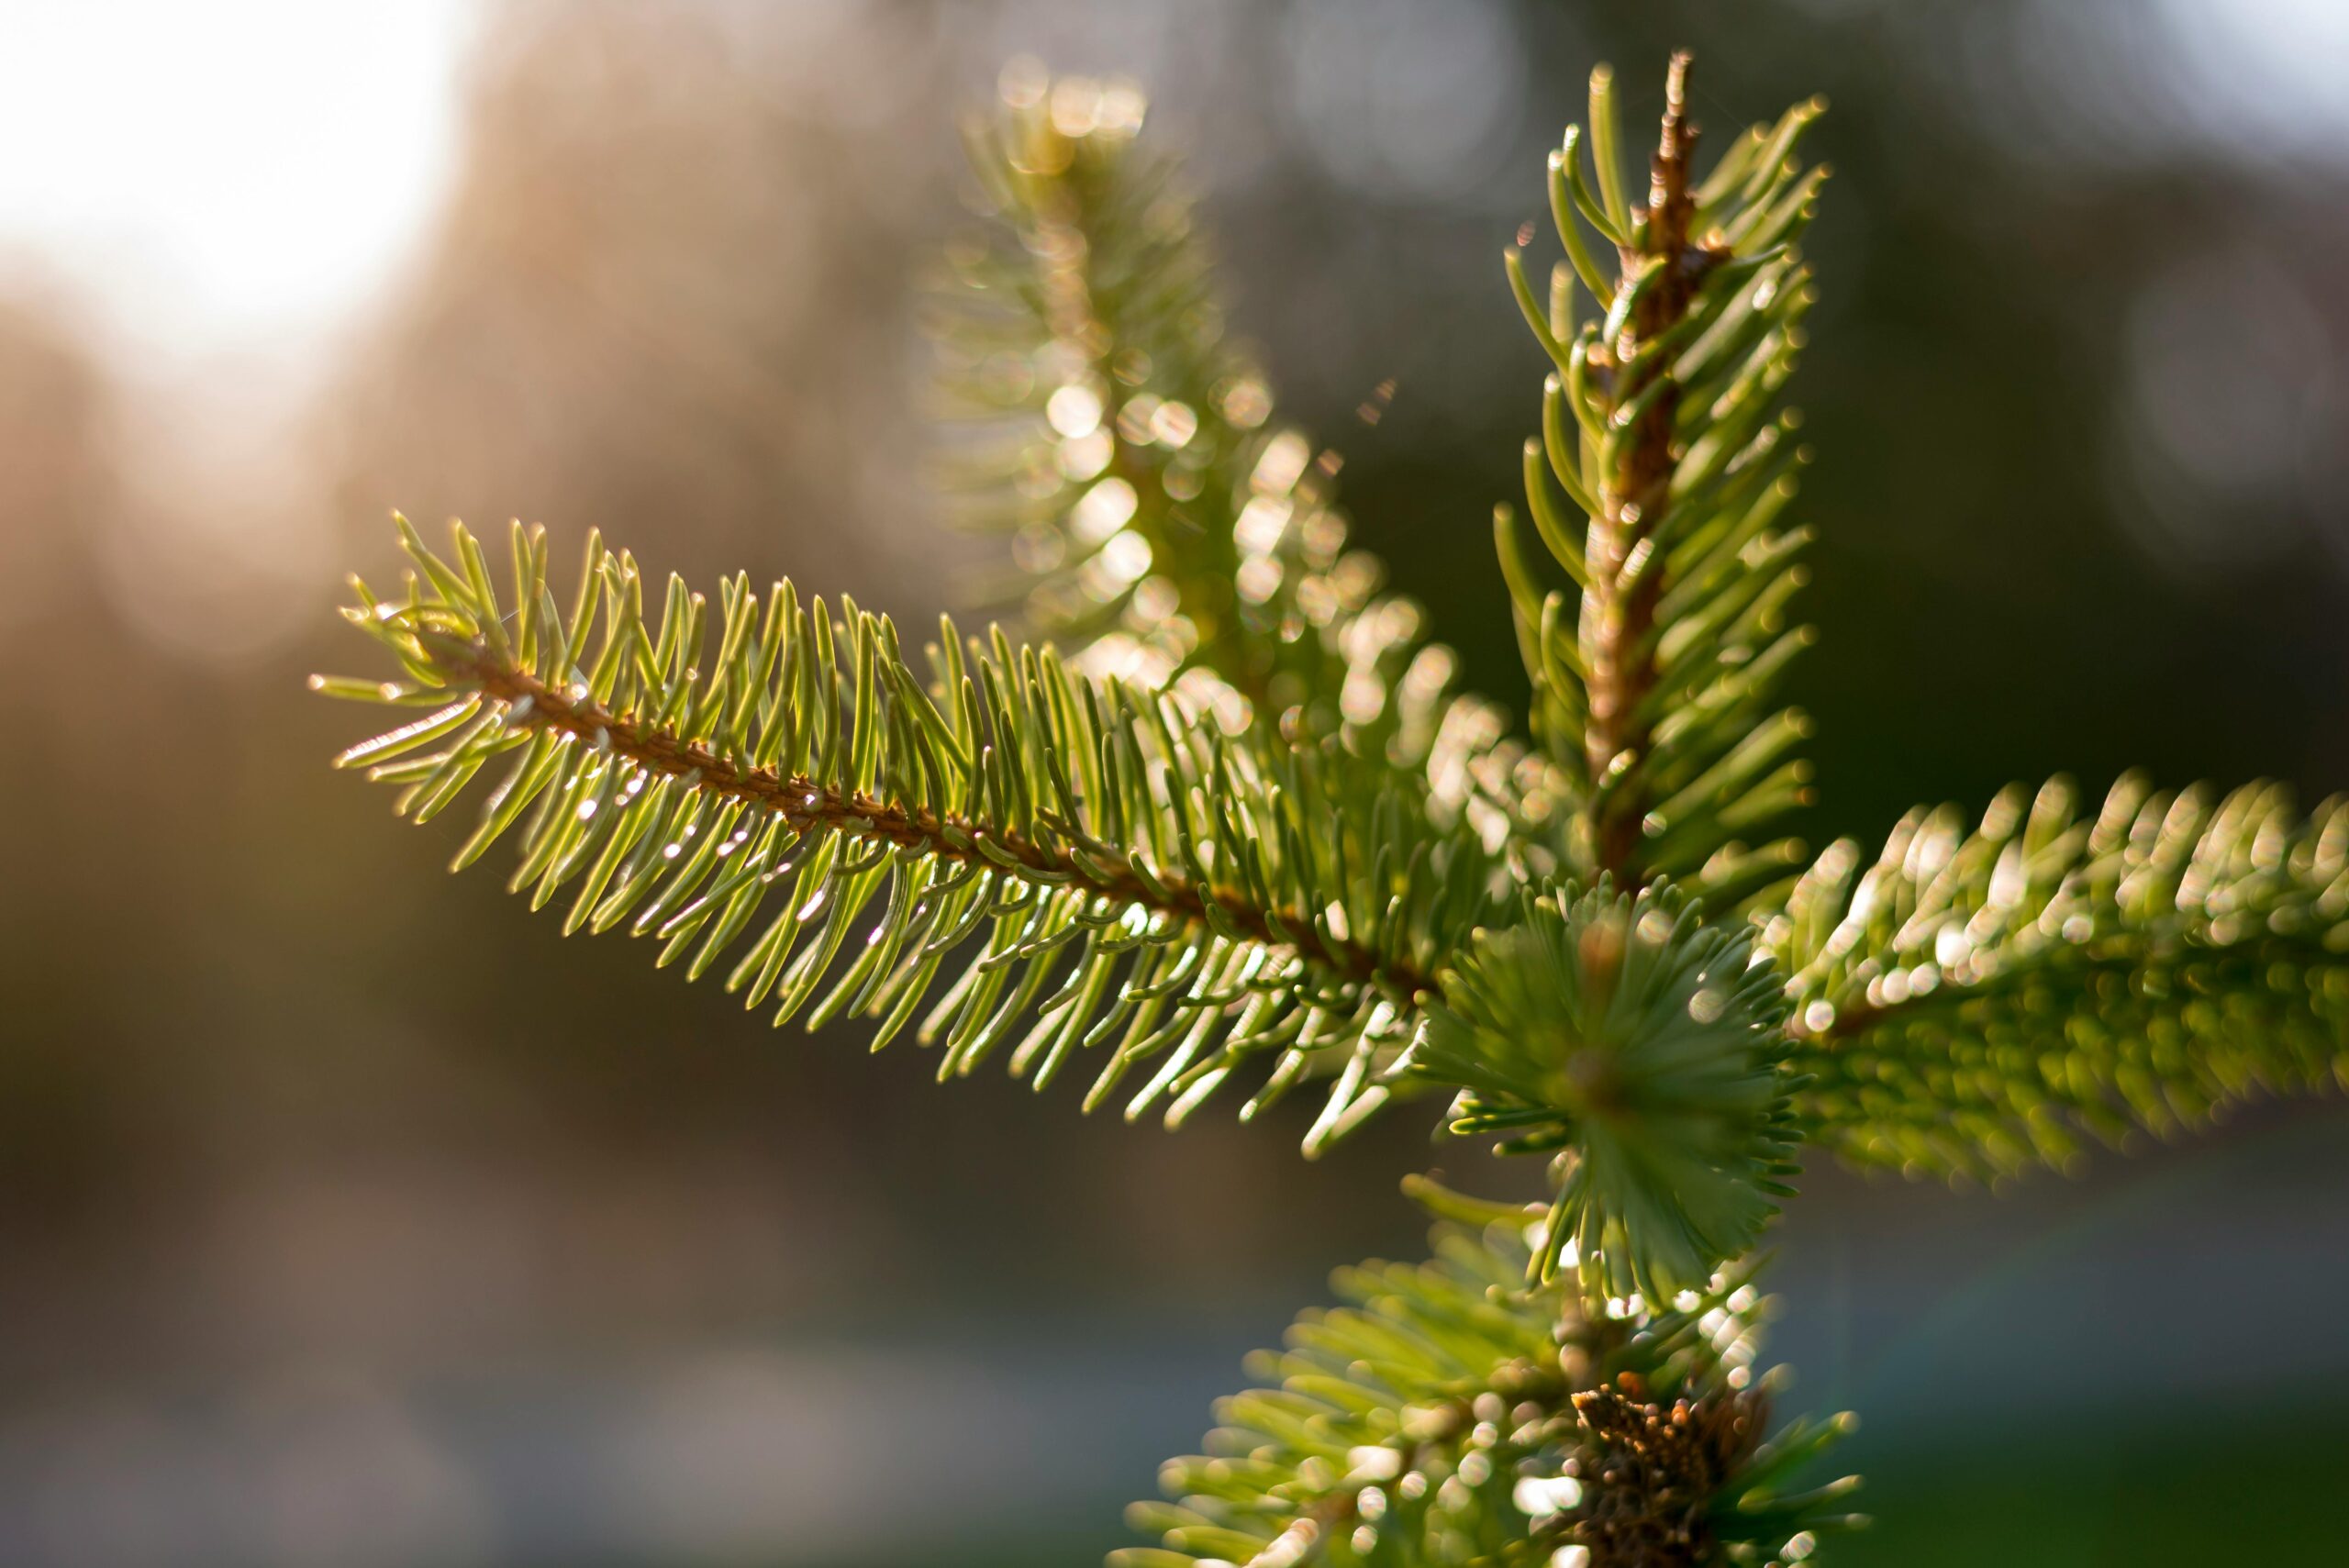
x=302 y=1261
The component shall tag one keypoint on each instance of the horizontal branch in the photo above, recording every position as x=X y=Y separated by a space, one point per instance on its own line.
x=1116 y=875
x=1974 y=1001
x=808 y=806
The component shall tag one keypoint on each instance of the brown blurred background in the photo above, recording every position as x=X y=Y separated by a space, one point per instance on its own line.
x=349 y=1215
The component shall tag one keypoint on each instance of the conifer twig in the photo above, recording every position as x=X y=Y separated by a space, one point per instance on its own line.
x=1975 y=1002
x=1657 y=485
x=1659 y=272
x=808 y=805
x=1089 y=863
x=1168 y=522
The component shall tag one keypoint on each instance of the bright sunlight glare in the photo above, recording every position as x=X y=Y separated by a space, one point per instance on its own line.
x=229 y=172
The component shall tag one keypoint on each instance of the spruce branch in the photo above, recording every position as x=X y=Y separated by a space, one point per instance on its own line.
x=1659 y=274
x=1451 y=1415
x=1201 y=900
x=1656 y=488
x=1246 y=824
x=810 y=807
x=1173 y=532
x=1128 y=874
x=1974 y=1003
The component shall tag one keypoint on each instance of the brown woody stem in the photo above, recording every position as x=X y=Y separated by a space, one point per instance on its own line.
x=1617 y=639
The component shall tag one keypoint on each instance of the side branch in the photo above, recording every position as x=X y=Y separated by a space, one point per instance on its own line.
x=1977 y=1001
x=808 y=806
x=999 y=846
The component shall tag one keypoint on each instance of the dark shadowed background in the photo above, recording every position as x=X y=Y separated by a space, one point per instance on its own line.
x=347 y=1215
